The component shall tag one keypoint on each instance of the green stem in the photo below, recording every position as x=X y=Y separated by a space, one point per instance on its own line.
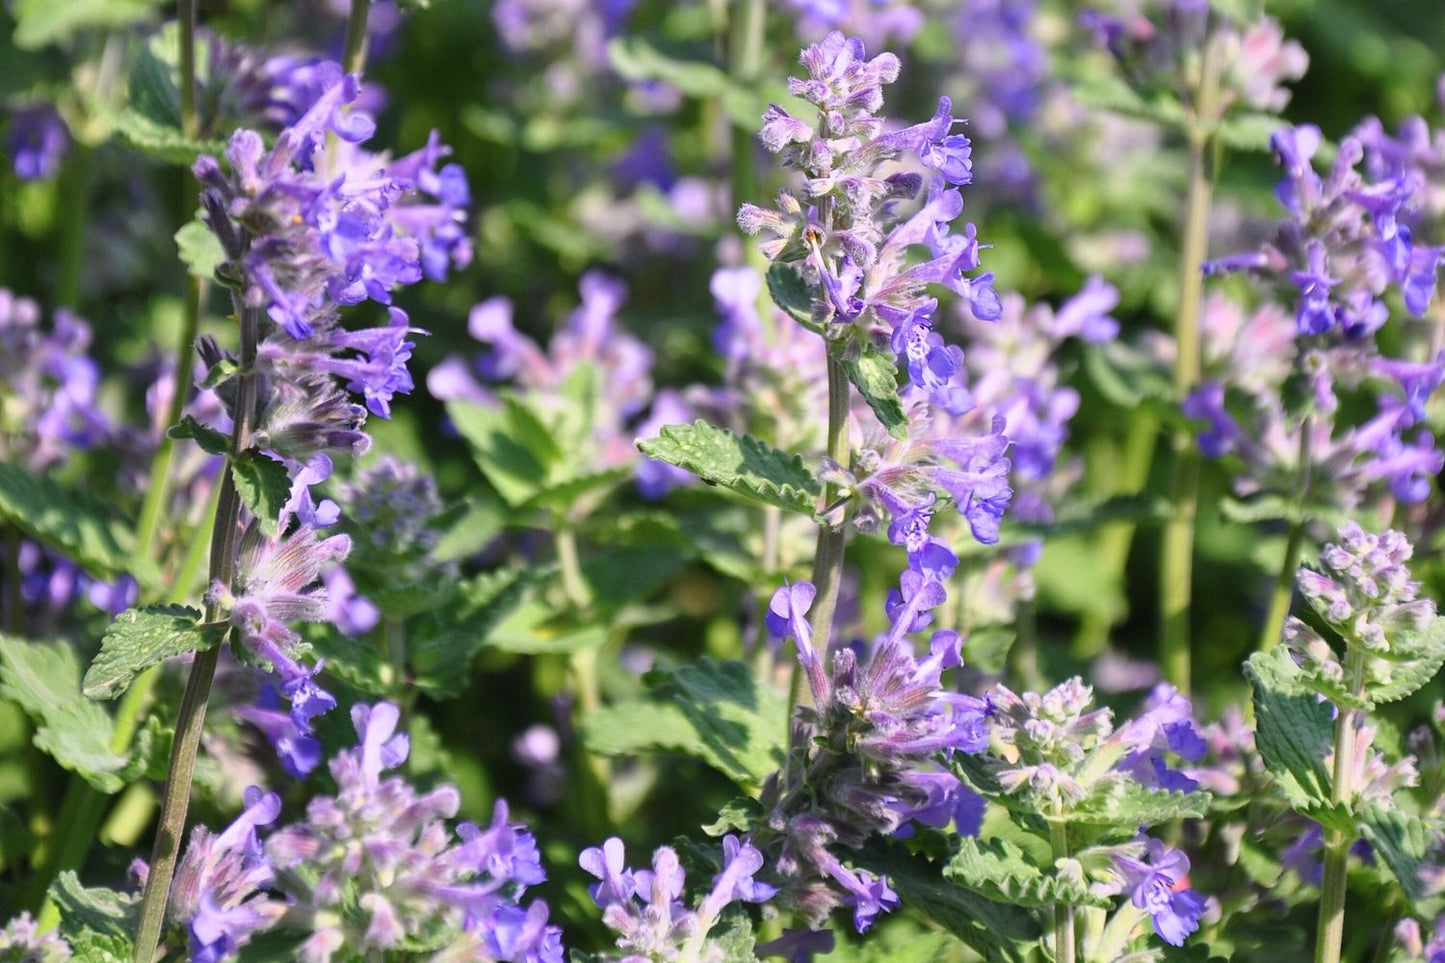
x=571 y=568
x=72 y=226
x=393 y=641
x=354 y=57
x=1177 y=568
x=746 y=62
x=1284 y=582
x=828 y=560
x=190 y=720
x=1064 y=942
x=1337 y=843
x=186 y=20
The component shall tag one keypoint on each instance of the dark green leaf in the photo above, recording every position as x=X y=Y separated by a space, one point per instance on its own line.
x=441 y=657
x=141 y=638
x=715 y=711
x=790 y=292
x=1403 y=841
x=741 y=465
x=264 y=485
x=875 y=375
x=209 y=439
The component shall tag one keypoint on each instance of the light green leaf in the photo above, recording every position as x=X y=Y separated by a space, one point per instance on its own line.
x=1249 y=131
x=141 y=638
x=998 y=870
x=1294 y=731
x=97 y=923
x=1113 y=94
x=264 y=485
x=875 y=375
x=1129 y=377
x=164 y=143
x=71 y=522
x=714 y=711
x=43 y=678
x=498 y=447
x=41 y=22
x=1129 y=806
x=1415 y=658
x=200 y=251
x=742 y=465
x=209 y=439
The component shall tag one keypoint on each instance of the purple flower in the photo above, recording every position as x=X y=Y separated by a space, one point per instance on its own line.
x=1206 y=403
x=1154 y=885
x=298 y=751
x=36 y=141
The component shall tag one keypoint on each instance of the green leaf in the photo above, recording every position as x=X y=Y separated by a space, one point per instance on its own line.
x=264 y=485
x=441 y=657
x=167 y=144
x=1403 y=841
x=1087 y=515
x=1249 y=131
x=1294 y=730
x=1274 y=507
x=153 y=91
x=41 y=22
x=790 y=292
x=875 y=375
x=1130 y=806
x=1113 y=94
x=97 y=923
x=1414 y=659
x=997 y=931
x=714 y=711
x=44 y=680
x=211 y=441
x=999 y=871
x=73 y=523
x=635 y=59
x=200 y=250
x=738 y=816
x=141 y=638
x=742 y=465
x=508 y=464
x=1129 y=377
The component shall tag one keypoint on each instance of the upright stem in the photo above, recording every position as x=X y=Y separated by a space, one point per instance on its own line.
x=186 y=20
x=746 y=61
x=176 y=797
x=1284 y=582
x=1337 y=844
x=828 y=560
x=1178 y=551
x=1064 y=941
x=72 y=226
x=354 y=56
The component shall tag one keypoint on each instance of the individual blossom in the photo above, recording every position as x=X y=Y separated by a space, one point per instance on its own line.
x=1157 y=884
x=36 y=141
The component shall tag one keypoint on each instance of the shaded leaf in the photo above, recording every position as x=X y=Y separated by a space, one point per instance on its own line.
x=715 y=711
x=1403 y=842
x=790 y=292
x=742 y=465
x=508 y=464
x=875 y=375
x=140 y=638
x=440 y=658
x=211 y=441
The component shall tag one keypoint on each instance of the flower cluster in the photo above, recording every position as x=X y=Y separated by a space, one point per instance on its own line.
x=866 y=753
x=645 y=908
x=366 y=871
x=22 y=942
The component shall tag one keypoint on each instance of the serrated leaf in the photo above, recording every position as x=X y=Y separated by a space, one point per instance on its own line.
x=1414 y=659
x=999 y=871
x=41 y=22
x=1274 y=507
x=264 y=485
x=96 y=909
x=164 y=143
x=211 y=441
x=200 y=250
x=790 y=292
x=440 y=658
x=1294 y=731
x=139 y=639
x=738 y=816
x=1129 y=805
x=71 y=522
x=742 y=465
x=875 y=375
x=1403 y=841
x=714 y=711
x=996 y=931
x=1113 y=94
x=44 y=680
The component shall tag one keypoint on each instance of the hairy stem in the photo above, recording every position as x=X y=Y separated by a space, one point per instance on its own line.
x=1064 y=942
x=176 y=797
x=1337 y=844
x=353 y=59
x=828 y=560
x=1284 y=582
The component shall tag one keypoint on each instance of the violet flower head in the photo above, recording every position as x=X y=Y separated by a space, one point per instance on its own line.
x=1154 y=883
x=36 y=141
x=1364 y=590
x=298 y=751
